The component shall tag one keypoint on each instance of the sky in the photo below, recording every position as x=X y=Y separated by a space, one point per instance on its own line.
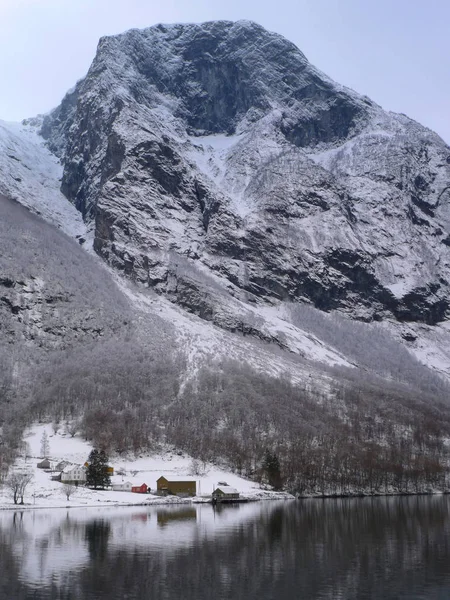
x=394 y=51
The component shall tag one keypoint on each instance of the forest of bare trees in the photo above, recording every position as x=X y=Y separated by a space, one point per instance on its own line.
x=363 y=435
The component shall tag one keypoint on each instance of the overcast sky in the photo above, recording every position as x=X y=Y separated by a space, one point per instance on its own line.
x=395 y=51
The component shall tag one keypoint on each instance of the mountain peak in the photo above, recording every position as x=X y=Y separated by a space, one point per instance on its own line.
x=218 y=148
x=221 y=72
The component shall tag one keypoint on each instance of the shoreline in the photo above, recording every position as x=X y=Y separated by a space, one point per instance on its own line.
x=154 y=501
x=261 y=497
x=370 y=495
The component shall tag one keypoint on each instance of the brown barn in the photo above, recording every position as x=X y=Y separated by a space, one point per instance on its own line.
x=176 y=486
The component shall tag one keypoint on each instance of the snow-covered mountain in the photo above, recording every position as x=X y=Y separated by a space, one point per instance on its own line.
x=215 y=165
x=210 y=244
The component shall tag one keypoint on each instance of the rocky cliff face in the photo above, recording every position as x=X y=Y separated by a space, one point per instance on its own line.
x=215 y=161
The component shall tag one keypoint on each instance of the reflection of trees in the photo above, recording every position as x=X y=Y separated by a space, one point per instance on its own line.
x=315 y=549
x=97 y=536
x=97 y=579
x=10 y=584
x=352 y=549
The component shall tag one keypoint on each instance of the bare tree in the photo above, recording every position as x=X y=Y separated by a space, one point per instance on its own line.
x=197 y=467
x=72 y=427
x=24 y=449
x=69 y=490
x=17 y=482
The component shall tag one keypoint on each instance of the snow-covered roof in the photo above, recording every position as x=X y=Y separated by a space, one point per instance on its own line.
x=227 y=489
x=69 y=468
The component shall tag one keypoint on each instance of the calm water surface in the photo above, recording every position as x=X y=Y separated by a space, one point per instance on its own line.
x=384 y=548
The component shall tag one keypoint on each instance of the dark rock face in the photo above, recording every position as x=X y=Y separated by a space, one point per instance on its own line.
x=222 y=145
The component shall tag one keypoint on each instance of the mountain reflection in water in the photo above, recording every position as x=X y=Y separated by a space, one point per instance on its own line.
x=336 y=549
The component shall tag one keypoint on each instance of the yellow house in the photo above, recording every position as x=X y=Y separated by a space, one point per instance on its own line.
x=176 y=486
x=109 y=470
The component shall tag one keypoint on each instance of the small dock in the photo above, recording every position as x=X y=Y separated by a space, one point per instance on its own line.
x=216 y=501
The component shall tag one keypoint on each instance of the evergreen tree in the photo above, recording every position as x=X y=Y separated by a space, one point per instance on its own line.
x=271 y=466
x=45 y=445
x=97 y=475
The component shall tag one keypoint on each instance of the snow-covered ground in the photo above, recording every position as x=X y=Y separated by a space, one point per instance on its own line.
x=204 y=342
x=42 y=492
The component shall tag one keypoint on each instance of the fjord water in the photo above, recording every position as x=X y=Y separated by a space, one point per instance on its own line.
x=390 y=548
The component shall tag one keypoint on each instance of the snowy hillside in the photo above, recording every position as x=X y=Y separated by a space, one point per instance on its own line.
x=30 y=174
x=43 y=492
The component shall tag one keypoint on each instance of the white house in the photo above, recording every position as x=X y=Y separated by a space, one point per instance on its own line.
x=125 y=486
x=73 y=474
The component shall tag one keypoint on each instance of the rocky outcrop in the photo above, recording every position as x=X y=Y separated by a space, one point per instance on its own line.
x=221 y=145
x=52 y=293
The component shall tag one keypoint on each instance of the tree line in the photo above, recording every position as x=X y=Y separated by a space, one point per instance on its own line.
x=361 y=435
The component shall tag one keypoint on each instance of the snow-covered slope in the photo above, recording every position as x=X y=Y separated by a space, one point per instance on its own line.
x=43 y=492
x=31 y=174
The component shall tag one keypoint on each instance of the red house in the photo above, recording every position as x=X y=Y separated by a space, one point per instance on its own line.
x=140 y=489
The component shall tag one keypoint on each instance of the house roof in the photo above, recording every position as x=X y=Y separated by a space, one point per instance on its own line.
x=176 y=479
x=62 y=464
x=69 y=468
x=226 y=489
